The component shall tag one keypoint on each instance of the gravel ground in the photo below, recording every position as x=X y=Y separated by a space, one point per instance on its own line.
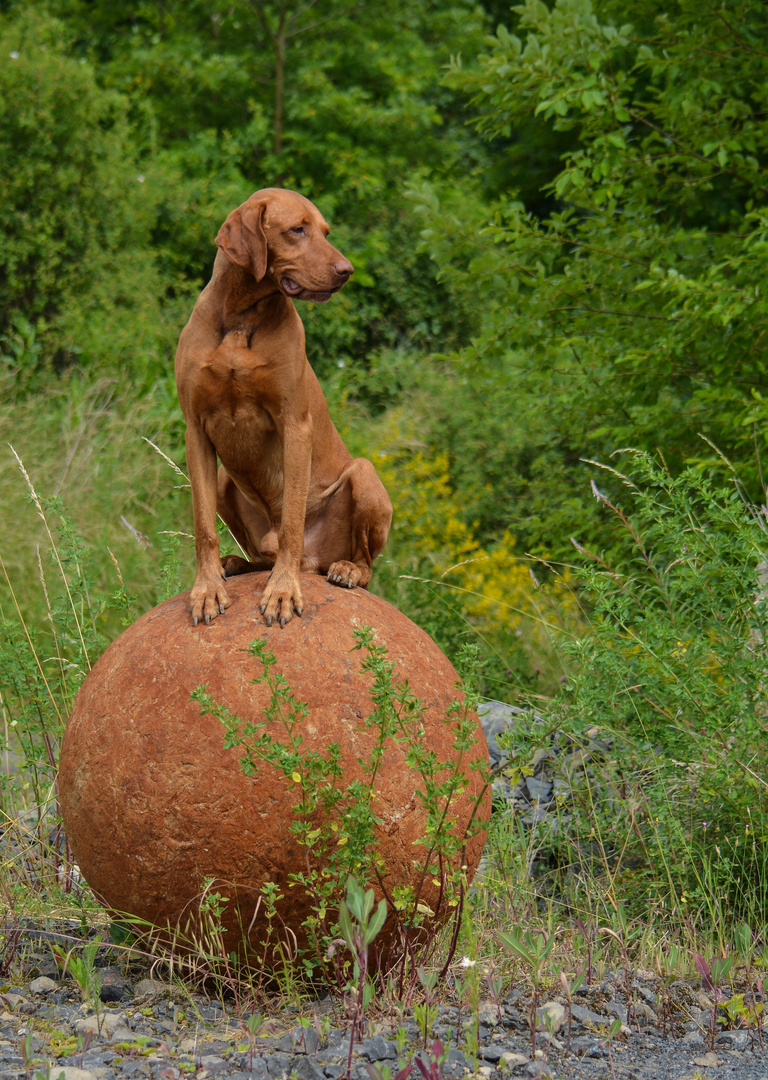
x=150 y=1030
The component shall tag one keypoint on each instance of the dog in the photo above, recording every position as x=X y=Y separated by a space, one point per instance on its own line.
x=288 y=488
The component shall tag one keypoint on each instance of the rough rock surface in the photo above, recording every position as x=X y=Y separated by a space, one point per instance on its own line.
x=152 y=802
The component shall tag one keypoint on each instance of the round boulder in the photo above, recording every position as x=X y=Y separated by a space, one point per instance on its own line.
x=154 y=806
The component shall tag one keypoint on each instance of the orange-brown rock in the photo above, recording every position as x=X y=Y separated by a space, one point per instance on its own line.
x=152 y=802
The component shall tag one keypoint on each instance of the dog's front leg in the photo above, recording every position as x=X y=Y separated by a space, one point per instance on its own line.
x=282 y=595
x=209 y=596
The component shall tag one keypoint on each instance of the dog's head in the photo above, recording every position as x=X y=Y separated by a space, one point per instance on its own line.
x=278 y=235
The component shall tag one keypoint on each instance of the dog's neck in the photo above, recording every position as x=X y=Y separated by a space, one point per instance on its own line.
x=236 y=289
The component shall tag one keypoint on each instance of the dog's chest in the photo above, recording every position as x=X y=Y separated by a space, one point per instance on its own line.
x=235 y=383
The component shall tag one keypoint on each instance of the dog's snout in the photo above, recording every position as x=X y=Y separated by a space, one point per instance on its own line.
x=344 y=268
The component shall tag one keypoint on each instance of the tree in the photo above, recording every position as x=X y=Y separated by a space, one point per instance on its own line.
x=633 y=311
x=75 y=216
x=343 y=102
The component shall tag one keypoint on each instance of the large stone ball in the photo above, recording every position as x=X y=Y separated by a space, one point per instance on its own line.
x=153 y=804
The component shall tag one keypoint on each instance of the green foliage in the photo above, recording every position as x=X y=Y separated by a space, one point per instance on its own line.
x=630 y=311
x=83 y=970
x=205 y=106
x=76 y=217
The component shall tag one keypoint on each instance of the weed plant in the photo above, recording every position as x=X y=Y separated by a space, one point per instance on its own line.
x=335 y=820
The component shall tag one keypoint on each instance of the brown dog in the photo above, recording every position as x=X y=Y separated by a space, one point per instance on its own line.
x=287 y=488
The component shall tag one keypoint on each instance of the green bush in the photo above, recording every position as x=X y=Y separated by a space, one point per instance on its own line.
x=76 y=214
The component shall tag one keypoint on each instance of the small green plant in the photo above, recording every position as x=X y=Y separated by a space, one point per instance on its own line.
x=335 y=821
x=26 y=1049
x=425 y=1013
x=385 y=1072
x=84 y=1040
x=401 y=1041
x=432 y=1068
x=607 y=1041
x=252 y=1027
x=623 y=935
x=359 y=925
x=533 y=947
x=467 y=988
x=569 y=989
x=85 y=973
x=713 y=974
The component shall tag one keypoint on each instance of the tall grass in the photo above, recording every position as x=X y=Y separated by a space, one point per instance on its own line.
x=658 y=742
x=62 y=600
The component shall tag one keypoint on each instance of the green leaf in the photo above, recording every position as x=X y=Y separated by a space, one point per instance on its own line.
x=377 y=921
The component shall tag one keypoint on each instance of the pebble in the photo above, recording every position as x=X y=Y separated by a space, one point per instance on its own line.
x=172 y=1037
x=551 y=1015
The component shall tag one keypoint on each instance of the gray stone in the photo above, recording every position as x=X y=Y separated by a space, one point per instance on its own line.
x=551 y=1015
x=491 y=1053
x=301 y=1040
x=306 y=1068
x=378 y=1049
x=456 y=1059
x=488 y=1014
x=278 y=1065
x=539 y=790
x=212 y=1011
x=106 y=1024
x=333 y=1055
x=43 y=985
x=734 y=1040
x=133 y=1067
x=495 y=718
x=583 y=1015
x=70 y=1072
x=615 y=1008
x=148 y=987
x=114 y=987
x=510 y=1060
x=213 y=1063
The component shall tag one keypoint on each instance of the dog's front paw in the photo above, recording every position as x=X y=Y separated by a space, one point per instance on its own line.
x=209 y=599
x=349 y=575
x=281 y=598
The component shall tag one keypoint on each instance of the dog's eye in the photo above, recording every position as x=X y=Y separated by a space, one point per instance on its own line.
x=297 y=230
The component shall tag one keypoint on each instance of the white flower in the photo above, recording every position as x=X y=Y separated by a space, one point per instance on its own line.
x=140 y=179
x=14 y=55
x=467 y=963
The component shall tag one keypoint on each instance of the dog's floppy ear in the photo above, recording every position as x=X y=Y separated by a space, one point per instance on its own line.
x=242 y=238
